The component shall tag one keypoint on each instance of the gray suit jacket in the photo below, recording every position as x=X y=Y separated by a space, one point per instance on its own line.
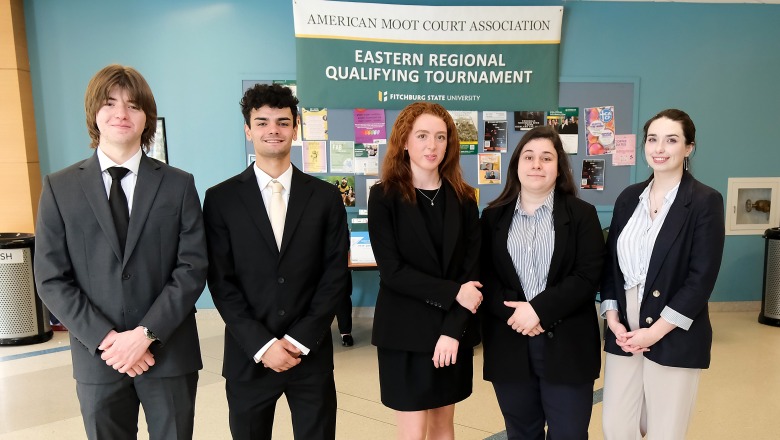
x=87 y=284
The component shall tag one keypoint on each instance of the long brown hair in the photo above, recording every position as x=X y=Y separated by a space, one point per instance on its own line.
x=396 y=169
x=564 y=183
x=138 y=90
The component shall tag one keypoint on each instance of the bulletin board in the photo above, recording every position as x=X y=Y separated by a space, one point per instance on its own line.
x=574 y=92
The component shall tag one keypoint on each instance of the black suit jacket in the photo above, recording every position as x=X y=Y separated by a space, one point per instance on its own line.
x=683 y=269
x=566 y=308
x=417 y=289
x=263 y=292
x=92 y=288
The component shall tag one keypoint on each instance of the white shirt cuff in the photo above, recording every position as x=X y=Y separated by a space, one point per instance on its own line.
x=298 y=345
x=607 y=305
x=259 y=354
x=676 y=318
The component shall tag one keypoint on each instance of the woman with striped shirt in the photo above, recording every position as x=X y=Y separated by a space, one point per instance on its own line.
x=663 y=257
x=541 y=265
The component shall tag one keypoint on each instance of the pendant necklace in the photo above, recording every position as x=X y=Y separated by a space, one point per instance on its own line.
x=652 y=199
x=431 y=199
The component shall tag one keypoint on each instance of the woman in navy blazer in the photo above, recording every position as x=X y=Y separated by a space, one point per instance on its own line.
x=424 y=228
x=542 y=252
x=663 y=256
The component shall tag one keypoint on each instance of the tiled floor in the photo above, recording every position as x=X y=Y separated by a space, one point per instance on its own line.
x=739 y=397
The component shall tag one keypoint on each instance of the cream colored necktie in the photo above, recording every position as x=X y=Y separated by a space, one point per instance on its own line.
x=277 y=211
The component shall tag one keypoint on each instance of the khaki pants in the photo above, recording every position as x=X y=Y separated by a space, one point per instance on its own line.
x=643 y=397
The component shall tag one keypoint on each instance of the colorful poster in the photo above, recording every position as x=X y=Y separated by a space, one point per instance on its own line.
x=569 y=120
x=369 y=55
x=495 y=131
x=567 y=126
x=466 y=122
x=489 y=170
x=367 y=159
x=526 y=120
x=625 y=150
x=593 y=174
x=315 y=157
x=369 y=126
x=342 y=156
x=600 y=126
x=315 y=124
x=346 y=186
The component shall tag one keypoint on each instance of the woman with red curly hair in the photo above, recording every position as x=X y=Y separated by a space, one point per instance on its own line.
x=424 y=228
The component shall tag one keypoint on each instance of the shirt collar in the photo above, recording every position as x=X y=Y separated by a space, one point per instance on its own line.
x=671 y=195
x=263 y=178
x=131 y=164
x=548 y=202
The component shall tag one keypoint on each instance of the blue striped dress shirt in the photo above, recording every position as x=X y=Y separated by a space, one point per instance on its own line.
x=530 y=244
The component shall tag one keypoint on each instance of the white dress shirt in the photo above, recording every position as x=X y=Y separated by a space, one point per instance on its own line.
x=263 y=180
x=127 y=182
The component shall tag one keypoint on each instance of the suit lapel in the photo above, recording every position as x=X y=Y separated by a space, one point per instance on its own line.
x=94 y=189
x=300 y=192
x=561 y=226
x=673 y=224
x=146 y=186
x=503 y=223
x=250 y=195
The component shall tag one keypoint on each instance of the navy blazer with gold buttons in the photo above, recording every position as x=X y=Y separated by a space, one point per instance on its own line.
x=682 y=272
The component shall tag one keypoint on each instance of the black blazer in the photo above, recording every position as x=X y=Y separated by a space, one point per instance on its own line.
x=92 y=287
x=682 y=272
x=264 y=293
x=416 y=302
x=566 y=308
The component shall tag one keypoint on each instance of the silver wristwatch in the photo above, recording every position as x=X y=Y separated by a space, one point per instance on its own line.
x=149 y=335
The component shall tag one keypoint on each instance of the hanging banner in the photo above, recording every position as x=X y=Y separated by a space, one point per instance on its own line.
x=366 y=55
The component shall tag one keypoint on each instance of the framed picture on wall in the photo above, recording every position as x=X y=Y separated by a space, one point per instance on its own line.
x=159 y=148
x=752 y=205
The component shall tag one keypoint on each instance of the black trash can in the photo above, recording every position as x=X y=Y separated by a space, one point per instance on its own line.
x=23 y=317
x=770 y=298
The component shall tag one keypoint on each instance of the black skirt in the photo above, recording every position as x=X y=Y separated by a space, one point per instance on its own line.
x=409 y=382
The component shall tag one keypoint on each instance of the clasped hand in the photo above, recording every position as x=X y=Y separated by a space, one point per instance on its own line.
x=469 y=296
x=636 y=341
x=281 y=356
x=524 y=319
x=127 y=352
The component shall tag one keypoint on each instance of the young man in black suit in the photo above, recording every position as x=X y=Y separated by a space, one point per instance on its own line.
x=120 y=259
x=277 y=243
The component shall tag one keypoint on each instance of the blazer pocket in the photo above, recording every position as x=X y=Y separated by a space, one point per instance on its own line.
x=164 y=211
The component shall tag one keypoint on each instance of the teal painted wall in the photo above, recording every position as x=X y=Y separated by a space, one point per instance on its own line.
x=718 y=62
